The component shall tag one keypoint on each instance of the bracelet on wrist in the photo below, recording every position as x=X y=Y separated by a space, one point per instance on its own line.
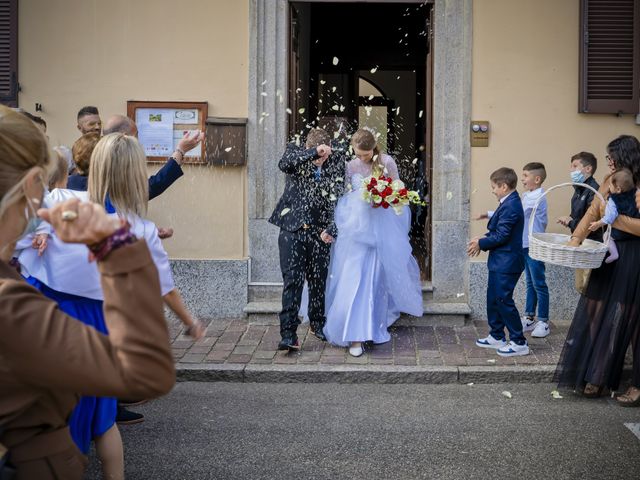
x=119 y=238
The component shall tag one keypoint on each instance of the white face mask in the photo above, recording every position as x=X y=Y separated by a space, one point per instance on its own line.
x=577 y=176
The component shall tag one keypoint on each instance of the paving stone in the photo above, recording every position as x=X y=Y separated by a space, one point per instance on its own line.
x=427 y=361
x=285 y=358
x=262 y=354
x=193 y=358
x=244 y=350
x=197 y=349
x=380 y=361
x=225 y=347
x=332 y=359
x=361 y=360
x=260 y=361
x=429 y=353
x=452 y=348
x=405 y=361
x=206 y=341
x=230 y=337
x=218 y=356
x=178 y=353
x=182 y=343
x=309 y=357
x=235 y=358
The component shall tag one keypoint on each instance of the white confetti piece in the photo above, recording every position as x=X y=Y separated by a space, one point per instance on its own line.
x=398 y=111
x=449 y=195
x=228 y=149
x=370 y=97
x=420 y=114
x=324 y=193
x=284 y=211
x=398 y=77
x=264 y=83
x=458 y=295
x=288 y=110
x=474 y=190
x=469 y=384
x=556 y=394
x=298 y=90
x=264 y=94
x=507 y=394
x=332 y=197
x=491 y=360
x=335 y=107
x=414 y=161
x=333 y=89
x=322 y=82
x=374 y=70
x=342 y=107
x=301 y=110
x=335 y=60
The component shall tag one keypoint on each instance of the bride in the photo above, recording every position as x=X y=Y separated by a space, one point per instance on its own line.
x=372 y=274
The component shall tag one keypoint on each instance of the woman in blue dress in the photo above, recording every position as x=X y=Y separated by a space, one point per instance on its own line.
x=373 y=276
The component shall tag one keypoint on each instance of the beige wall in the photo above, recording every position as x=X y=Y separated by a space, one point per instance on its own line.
x=91 y=52
x=525 y=82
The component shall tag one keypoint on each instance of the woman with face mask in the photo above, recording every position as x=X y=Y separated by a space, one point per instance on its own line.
x=48 y=359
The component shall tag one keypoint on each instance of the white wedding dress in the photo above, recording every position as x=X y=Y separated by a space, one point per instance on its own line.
x=372 y=274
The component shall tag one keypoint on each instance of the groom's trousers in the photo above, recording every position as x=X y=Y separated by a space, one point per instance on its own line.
x=303 y=255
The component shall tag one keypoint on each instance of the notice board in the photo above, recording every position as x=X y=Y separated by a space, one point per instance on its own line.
x=161 y=125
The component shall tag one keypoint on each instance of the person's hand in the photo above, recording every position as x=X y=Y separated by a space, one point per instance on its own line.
x=481 y=216
x=188 y=142
x=593 y=226
x=473 y=248
x=196 y=330
x=39 y=242
x=323 y=150
x=165 y=232
x=76 y=222
x=574 y=242
x=564 y=221
x=326 y=238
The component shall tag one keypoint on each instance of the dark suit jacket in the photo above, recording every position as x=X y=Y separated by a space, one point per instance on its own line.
x=158 y=183
x=306 y=199
x=580 y=201
x=504 y=239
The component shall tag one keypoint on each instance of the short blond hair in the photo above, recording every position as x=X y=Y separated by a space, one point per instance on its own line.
x=23 y=146
x=118 y=171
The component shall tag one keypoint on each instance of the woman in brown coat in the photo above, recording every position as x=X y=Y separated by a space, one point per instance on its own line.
x=607 y=318
x=48 y=359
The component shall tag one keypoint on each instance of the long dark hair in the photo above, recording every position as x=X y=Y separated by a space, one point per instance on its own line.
x=625 y=153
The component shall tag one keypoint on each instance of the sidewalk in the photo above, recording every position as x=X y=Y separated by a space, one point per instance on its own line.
x=235 y=350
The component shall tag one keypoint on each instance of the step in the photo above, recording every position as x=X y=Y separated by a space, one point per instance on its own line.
x=435 y=314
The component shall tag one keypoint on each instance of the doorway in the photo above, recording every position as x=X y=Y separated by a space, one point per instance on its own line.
x=368 y=64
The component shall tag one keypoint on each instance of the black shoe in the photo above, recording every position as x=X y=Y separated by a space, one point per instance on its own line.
x=289 y=343
x=131 y=403
x=127 y=417
x=318 y=333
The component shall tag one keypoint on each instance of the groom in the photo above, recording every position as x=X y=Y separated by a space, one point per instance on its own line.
x=315 y=181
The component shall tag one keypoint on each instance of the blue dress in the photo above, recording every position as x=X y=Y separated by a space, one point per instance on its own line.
x=373 y=275
x=92 y=416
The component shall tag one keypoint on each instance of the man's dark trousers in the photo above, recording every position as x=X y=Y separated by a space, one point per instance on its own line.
x=501 y=309
x=302 y=255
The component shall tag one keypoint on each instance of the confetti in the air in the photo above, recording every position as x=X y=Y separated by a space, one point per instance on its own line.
x=507 y=394
x=284 y=211
x=264 y=94
x=288 y=110
x=374 y=70
x=228 y=149
x=301 y=110
x=335 y=60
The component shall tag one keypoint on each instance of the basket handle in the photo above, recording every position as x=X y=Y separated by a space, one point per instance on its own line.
x=607 y=233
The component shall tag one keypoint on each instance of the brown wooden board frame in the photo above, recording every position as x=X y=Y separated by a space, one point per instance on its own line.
x=203 y=111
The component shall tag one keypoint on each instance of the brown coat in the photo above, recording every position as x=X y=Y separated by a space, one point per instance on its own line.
x=48 y=359
x=596 y=212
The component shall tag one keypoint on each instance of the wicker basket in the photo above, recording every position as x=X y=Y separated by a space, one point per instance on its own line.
x=553 y=248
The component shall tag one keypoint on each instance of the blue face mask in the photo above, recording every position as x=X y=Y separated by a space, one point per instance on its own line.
x=577 y=176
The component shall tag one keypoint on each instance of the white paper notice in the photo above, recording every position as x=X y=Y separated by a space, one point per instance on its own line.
x=195 y=151
x=186 y=117
x=155 y=131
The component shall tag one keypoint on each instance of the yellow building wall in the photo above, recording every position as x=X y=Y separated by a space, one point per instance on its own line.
x=525 y=82
x=91 y=52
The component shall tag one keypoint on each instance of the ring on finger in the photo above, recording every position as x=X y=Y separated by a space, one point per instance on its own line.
x=69 y=215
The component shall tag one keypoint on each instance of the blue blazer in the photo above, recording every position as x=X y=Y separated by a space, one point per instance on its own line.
x=504 y=239
x=158 y=183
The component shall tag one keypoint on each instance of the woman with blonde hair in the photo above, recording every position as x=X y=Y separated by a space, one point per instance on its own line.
x=117 y=179
x=373 y=275
x=49 y=358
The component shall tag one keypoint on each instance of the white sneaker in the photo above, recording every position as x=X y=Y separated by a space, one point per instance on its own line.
x=490 y=342
x=356 y=351
x=528 y=323
x=542 y=330
x=513 y=350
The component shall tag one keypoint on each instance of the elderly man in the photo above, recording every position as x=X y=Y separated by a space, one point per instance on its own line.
x=171 y=170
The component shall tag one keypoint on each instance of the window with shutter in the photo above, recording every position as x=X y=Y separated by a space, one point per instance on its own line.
x=610 y=56
x=9 y=52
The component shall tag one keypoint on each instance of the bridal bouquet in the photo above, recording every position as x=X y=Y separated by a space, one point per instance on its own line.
x=384 y=192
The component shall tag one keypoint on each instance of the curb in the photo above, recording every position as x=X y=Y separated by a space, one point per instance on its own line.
x=389 y=374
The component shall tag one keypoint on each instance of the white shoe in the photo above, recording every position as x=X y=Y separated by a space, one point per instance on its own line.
x=490 y=342
x=542 y=330
x=528 y=323
x=513 y=350
x=356 y=351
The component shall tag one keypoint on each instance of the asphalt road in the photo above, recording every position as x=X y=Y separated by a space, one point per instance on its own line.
x=332 y=431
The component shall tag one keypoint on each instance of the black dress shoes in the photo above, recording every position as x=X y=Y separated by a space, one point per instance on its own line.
x=289 y=343
x=317 y=332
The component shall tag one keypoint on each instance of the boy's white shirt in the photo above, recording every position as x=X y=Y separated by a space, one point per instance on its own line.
x=529 y=199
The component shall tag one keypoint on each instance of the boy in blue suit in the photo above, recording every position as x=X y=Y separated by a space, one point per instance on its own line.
x=505 y=264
